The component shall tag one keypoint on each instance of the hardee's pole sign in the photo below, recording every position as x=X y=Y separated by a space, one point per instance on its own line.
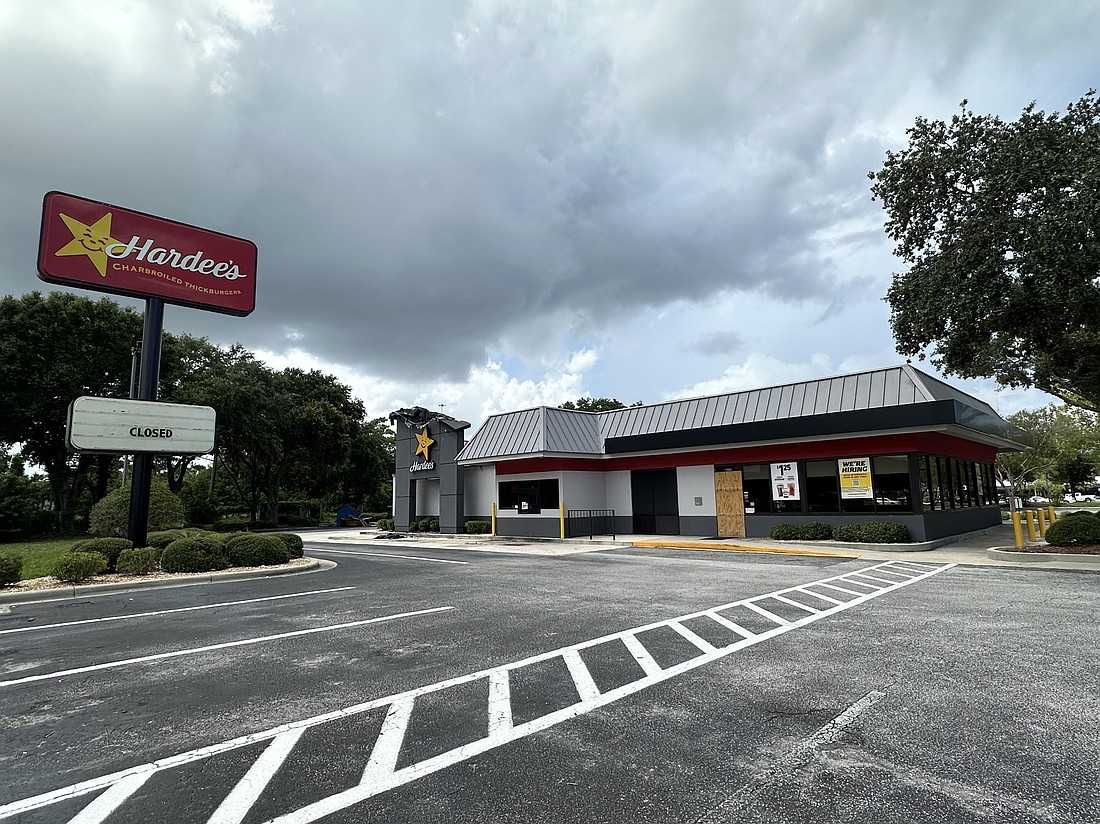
x=106 y=248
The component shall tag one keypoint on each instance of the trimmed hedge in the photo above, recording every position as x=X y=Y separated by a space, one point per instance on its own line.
x=385 y=524
x=257 y=550
x=867 y=532
x=479 y=527
x=193 y=555
x=1074 y=532
x=109 y=548
x=75 y=567
x=11 y=569
x=160 y=540
x=137 y=561
x=294 y=545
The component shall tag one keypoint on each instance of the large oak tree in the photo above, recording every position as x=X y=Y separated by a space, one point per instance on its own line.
x=998 y=222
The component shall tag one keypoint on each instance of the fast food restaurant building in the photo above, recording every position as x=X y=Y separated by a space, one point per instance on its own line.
x=893 y=444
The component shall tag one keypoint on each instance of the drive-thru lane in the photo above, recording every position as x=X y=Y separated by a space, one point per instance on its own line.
x=535 y=656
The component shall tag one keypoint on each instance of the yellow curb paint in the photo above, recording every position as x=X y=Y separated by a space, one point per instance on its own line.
x=739 y=548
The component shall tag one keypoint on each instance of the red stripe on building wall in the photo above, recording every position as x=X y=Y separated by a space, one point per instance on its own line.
x=932 y=443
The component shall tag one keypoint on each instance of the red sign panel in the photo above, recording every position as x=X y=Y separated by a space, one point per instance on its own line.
x=107 y=248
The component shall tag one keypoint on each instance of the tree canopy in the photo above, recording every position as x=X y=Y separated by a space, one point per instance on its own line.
x=998 y=222
x=596 y=404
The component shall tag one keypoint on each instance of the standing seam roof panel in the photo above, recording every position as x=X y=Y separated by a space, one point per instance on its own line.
x=892 y=394
x=877 y=398
x=785 y=395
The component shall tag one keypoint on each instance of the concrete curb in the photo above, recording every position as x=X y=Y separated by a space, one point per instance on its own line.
x=720 y=547
x=1041 y=557
x=193 y=579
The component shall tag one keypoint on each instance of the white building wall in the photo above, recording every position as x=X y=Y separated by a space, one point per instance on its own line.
x=694 y=482
x=479 y=490
x=617 y=486
x=584 y=490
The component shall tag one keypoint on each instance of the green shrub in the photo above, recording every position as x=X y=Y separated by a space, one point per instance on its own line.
x=433 y=525
x=193 y=555
x=414 y=526
x=479 y=527
x=109 y=548
x=137 y=561
x=110 y=517
x=385 y=524
x=815 y=531
x=74 y=567
x=11 y=569
x=848 y=533
x=257 y=550
x=294 y=545
x=159 y=540
x=1074 y=532
x=884 y=532
x=784 y=532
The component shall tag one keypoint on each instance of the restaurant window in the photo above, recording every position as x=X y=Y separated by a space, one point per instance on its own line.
x=925 y=485
x=529 y=497
x=764 y=492
x=822 y=486
x=893 y=492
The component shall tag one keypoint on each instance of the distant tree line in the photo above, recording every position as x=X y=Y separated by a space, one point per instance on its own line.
x=282 y=435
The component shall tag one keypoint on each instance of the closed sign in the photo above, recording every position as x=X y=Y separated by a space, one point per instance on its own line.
x=123 y=426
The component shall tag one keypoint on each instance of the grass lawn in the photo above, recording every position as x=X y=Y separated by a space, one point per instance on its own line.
x=39 y=556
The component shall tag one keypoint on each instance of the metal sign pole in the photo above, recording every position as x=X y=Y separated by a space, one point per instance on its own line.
x=149 y=377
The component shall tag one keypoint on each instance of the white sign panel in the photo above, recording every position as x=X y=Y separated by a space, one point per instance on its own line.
x=123 y=426
x=785 y=481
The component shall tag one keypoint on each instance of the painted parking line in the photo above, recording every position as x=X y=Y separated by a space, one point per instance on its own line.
x=380 y=772
x=323 y=550
x=170 y=611
x=210 y=647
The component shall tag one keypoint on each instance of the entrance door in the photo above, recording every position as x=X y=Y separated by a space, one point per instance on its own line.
x=729 y=500
x=653 y=498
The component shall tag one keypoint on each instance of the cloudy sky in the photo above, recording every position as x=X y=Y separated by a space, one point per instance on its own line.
x=494 y=204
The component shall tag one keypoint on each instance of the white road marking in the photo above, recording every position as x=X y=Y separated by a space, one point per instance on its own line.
x=728 y=624
x=109 y=801
x=210 y=647
x=885 y=581
x=845 y=591
x=792 y=759
x=500 y=705
x=771 y=616
x=383 y=758
x=240 y=800
x=795 y=603
x=385 y=555
x=825 y=598
x=646 y=661
x=582 y=678
x=702 y=644
x=170 y=611
x=401 y=705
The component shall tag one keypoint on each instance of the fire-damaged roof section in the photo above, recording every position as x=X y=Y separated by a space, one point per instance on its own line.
x=899 y=397
x=417 y=417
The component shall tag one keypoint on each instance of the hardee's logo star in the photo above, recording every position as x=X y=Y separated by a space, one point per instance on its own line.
x=423 y=441
x=89 y=240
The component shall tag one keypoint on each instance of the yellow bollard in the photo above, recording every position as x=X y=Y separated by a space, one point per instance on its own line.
x=1042 y=523
x=1030 y=525
x=1053 y=517
x=494 y=519
x=561 y=520
x=1017 y=529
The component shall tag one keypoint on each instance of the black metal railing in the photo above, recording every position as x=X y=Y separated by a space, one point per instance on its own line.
x=590 y=522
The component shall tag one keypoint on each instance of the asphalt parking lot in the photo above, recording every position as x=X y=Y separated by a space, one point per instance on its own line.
x=422 y=684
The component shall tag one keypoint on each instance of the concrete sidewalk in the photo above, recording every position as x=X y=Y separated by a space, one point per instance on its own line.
x=967 y=549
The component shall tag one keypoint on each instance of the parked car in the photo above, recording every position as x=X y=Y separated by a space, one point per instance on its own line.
x=1038 y=499
x=1082 y=498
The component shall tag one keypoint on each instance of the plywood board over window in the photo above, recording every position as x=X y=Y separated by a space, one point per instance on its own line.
x=729 y=500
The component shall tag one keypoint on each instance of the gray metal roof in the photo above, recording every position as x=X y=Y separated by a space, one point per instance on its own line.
x=547 y=430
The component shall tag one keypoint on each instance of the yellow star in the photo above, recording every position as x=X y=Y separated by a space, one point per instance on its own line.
x=89 y=240
x=423 y=440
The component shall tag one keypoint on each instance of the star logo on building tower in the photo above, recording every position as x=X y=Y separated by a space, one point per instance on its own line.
x=423 y=442
x=89 y=240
